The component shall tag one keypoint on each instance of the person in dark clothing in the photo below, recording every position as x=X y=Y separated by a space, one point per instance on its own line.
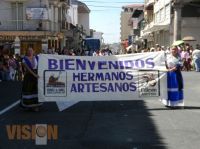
x=29 y=87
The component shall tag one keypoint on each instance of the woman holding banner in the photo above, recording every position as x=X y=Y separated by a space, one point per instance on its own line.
x=29 y=86
x=174 y=80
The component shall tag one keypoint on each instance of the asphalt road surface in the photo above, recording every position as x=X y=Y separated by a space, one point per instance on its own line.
x=106 y=125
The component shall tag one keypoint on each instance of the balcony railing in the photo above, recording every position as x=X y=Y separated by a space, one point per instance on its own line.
x=64 y=25
x=66 y=3
x=29 y=26
x=148 y=26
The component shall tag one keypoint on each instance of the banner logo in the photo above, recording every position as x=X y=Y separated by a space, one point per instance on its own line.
x=55 y=83
x=149 y=83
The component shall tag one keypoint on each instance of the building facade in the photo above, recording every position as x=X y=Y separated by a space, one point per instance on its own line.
x=170 y=20
x=127 y=23
x=157 y=15
x=78 y=16
x=126 y=20
x=34 y=23
x=43 y=24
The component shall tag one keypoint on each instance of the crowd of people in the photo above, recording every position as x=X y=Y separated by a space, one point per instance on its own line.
x=14 y=67
x=189 y=56
x=103 y=52
x=11 y=68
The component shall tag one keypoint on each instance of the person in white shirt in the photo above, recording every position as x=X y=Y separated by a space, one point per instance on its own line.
x=196 y=59
x=174 y=80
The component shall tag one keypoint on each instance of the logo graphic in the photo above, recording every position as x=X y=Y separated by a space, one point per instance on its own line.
x=148 y=83
x=149 y=78
x=39 y=132
x=55 y=83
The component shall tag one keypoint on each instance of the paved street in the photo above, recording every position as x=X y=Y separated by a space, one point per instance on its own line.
x=109 y=125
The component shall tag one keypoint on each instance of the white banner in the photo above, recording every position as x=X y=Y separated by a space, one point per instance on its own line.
x=37 y=14
x=85 y=78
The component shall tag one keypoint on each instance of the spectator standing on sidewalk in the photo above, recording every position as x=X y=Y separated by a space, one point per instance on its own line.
x=196 y=59
x=19 y=72
x=185 y=59
x=6 y=71
x=12 y=67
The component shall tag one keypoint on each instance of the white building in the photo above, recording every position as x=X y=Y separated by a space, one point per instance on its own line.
x=98 y=35
x=73 y=14
x=84 y=17
x=43 y=24
x=157 y=16
x=168 y=20
x=33 y=23
x=162 y=21
x=78 y=15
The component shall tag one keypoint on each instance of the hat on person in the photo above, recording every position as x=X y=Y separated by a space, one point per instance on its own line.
x=152 y=49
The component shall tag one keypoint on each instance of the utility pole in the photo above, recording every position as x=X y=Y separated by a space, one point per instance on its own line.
x=177 y=19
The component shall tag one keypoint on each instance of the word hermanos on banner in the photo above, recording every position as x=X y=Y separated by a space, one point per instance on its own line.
x=104 y=86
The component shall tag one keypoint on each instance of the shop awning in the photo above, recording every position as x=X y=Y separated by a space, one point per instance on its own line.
x=155 y=28
x=159 y=27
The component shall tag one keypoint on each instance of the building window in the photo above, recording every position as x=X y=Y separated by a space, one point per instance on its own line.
x=126 y=10
x=69 y=2
x=157 y=17
x=167 y=11
x=162 y=14
x=17 y=15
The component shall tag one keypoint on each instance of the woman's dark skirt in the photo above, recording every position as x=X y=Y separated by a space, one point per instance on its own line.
x=29 y=90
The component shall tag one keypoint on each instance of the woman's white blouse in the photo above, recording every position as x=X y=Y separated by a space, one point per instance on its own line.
x=173 y=61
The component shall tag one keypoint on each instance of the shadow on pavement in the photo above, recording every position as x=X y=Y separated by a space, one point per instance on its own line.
x=191 y=108
x=121 y=125
x=184 y=108
x=90 y=125
x=10 y=91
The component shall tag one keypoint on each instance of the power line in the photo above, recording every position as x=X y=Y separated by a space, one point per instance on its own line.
x=111 y=2
x=101 y=10
x=104 y=6
x=111 y=6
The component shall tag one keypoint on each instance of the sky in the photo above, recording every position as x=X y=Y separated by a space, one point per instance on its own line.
x=105 y=17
